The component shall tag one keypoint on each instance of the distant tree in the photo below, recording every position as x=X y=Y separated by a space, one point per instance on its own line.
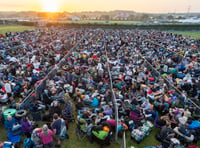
x=145 y=17
x=170 y=17
x=105 y=17
x=159 y=17
x=181 y=17
x=83 y=17
x=131 y=17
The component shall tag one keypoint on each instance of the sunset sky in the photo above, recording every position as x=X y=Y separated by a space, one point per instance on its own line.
x=152 y=6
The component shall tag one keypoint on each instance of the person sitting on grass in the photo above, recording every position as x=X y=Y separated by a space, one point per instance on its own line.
x=9 y=123
x=27 y=126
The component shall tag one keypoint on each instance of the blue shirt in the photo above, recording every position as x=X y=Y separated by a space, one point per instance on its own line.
x=57 y=125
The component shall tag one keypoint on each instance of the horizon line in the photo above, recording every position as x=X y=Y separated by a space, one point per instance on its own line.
x=95 y=11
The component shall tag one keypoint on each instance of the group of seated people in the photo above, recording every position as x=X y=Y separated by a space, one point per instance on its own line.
x=105 y=74
x=28 y=63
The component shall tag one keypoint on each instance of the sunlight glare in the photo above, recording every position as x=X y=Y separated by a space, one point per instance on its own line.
x=50 y=6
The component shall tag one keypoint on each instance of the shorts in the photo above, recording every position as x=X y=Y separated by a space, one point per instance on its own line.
x=57 y=137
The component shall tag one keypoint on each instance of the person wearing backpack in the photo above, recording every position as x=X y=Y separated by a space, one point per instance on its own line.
x=56 y=126
x=28 y=143
x=35 y=137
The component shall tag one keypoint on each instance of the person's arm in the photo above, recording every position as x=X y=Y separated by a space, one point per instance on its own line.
x=51 y=132
x=53 y=128
x=54 y=131
x=6 y=125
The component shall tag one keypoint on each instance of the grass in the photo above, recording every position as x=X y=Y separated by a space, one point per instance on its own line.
x=74 y=142
x=98 y=22
x=14 y=28
x=192 y=34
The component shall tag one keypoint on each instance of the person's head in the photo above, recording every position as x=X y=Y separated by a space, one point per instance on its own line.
x=55 y=104
x=100 y=115
x=9 y=118
x=55 y=116
x=45 y=129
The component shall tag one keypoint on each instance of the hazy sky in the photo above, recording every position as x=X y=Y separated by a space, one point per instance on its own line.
x=155 y=6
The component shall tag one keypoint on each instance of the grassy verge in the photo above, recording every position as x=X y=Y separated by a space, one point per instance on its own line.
x=192 y=34
x=97 y=22
x=74 y=142
x=14 y=28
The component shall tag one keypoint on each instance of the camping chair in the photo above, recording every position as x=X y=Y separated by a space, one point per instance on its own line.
x=81 y=128
x=36 y=116
x=14 y=138
x=134 y=116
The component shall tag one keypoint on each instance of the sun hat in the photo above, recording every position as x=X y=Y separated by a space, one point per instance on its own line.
x=182 y=120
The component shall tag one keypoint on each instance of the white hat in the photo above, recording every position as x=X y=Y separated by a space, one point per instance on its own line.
x=182 y=120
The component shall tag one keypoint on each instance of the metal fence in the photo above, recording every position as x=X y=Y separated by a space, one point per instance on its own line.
x=170 y=85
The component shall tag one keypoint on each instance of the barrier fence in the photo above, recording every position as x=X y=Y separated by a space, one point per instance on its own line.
x=170 y=85
x=113 y=95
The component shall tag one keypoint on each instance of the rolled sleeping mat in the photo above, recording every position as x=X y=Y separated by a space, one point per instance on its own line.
x=20 y=113
x=10 y=112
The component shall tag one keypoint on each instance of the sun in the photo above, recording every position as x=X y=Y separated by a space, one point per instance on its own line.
x=50 y=6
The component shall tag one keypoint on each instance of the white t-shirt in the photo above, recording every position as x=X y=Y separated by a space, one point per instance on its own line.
x=165 y=68
x=8 y=87
x=33 y=58
x=99 y=66
x=13 y=59
x=36 y=65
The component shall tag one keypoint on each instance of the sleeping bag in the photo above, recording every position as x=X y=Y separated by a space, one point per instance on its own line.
x=102 y=135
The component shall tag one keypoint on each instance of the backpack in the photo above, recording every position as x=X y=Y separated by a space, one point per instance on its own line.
x=17 y=130
x=28 y=143
x=8 y=145
x=63 y=131
x=192 y=146
x=184 y=131
x=67 y=112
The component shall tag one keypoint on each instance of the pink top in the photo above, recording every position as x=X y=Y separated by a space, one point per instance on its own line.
x=112 y=122
x=48 y=138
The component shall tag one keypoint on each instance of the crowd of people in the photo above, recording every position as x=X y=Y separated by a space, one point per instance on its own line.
x=107 y=72
x=30 y=60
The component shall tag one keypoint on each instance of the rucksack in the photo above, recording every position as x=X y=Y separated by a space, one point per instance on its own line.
x=192 y=146
x=63 y=131
x=17 y=130
x=28 y=143
x=8 y=145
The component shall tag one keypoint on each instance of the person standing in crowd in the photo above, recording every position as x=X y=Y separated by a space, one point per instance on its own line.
x=47 y=137
x=8 y=88
x=27 y=126
x=56 y=126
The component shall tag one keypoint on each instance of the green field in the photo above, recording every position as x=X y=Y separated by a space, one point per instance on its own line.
x=14 y=28
x=74 y=142
x=99 y=22
x=192 y=34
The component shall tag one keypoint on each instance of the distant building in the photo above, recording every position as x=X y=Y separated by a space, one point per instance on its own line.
x=75 y=18
x=190 y=20
x=121 y=16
